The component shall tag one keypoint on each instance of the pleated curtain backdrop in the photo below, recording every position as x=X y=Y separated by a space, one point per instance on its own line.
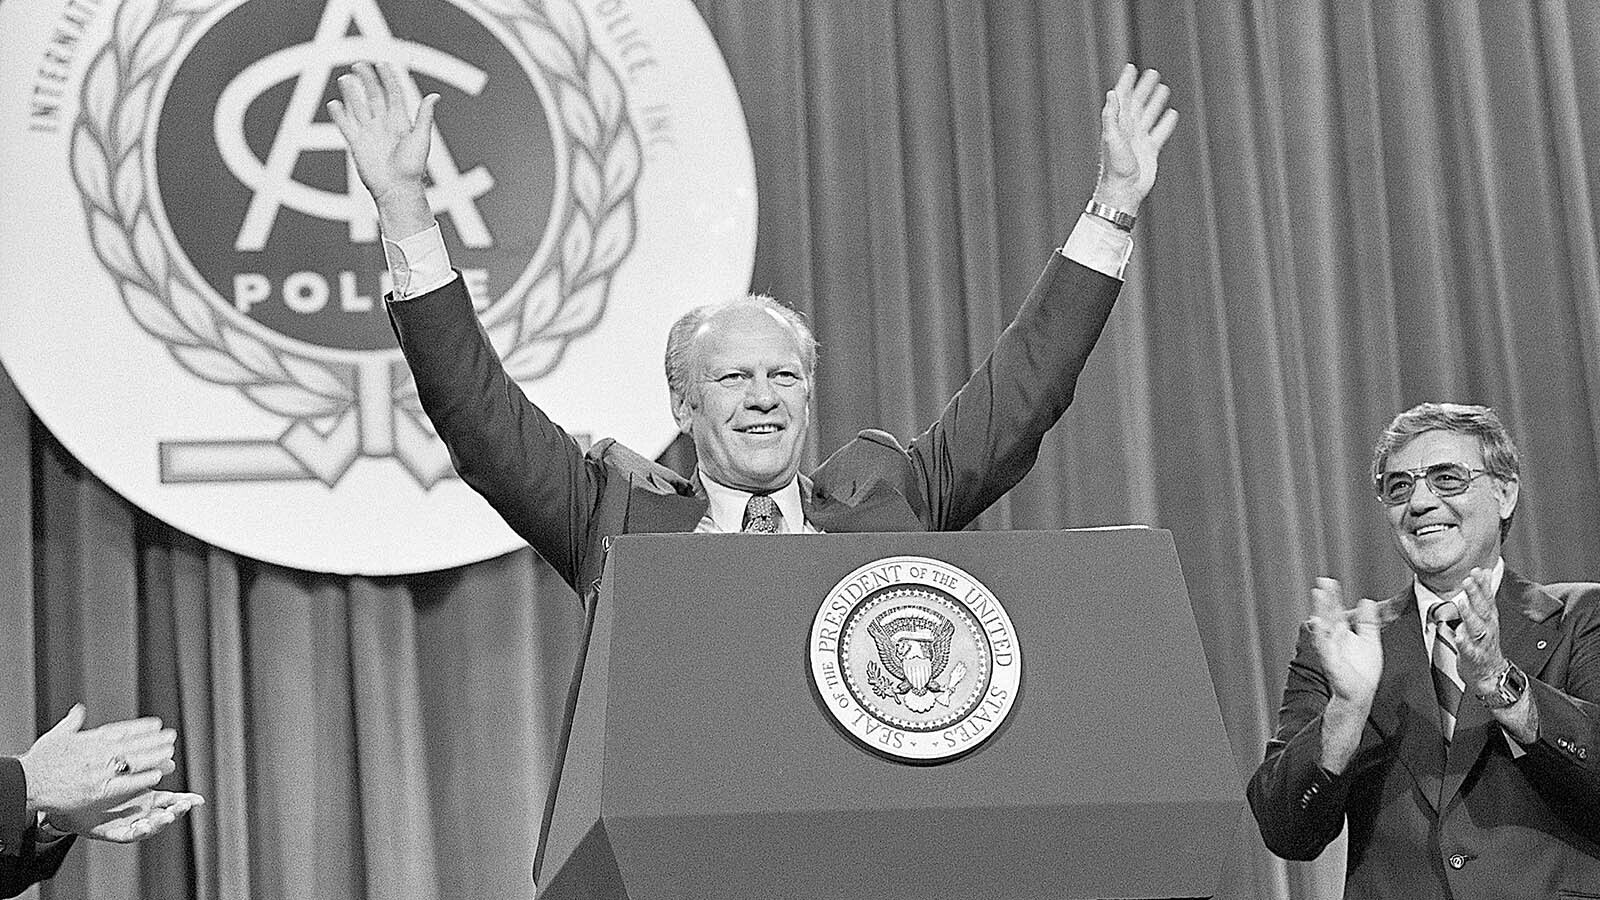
x=1367 y=204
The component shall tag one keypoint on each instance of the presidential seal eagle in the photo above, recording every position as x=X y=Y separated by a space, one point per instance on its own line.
x=914 y=649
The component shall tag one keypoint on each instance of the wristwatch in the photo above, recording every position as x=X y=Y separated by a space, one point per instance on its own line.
x=1121 y=219
x=1508 y=688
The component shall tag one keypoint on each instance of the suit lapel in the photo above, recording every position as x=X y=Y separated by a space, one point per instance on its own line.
x=1405 y=707
x=1529 y=625
x=808 y=500
x=650 y=512
x=1474 y=725
x=1526 y=616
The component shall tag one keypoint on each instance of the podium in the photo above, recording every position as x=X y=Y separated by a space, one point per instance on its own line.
x=702 y=762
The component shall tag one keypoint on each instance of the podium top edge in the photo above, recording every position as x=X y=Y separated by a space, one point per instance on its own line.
x=1021 y=532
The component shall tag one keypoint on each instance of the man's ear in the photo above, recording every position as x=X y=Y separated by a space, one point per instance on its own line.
x=681 y=409
x=1508 y=497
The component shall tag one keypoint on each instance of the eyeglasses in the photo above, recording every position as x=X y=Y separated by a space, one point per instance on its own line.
x=1444 y=479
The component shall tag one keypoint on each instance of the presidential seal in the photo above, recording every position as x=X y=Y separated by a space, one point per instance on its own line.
x=199 y=255
x=915 y=658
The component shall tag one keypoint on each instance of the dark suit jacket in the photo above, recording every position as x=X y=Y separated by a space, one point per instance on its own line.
x=567 y=503
x=22 y=862
x=1476 y=823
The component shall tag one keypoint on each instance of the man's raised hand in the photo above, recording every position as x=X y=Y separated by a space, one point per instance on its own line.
x=1134 y=125
x=389 y=145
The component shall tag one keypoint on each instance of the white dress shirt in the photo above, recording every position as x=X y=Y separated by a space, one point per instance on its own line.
x=725 y=515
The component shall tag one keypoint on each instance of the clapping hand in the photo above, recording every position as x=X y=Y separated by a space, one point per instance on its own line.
x=71 y=771
x=98 y=782
x=1479 y=659
x=1346 y=636
x=134 y=820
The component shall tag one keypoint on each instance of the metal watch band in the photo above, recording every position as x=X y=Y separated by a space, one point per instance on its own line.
x=1508 y=690
x=1123 y=220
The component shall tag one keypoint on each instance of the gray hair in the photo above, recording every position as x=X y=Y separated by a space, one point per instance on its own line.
x=681 y=338
x=1499 y=453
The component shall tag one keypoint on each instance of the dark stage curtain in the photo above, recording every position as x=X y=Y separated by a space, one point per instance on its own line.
x=1368 y=203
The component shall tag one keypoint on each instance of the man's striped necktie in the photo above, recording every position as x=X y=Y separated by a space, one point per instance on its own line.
x=1447 y=683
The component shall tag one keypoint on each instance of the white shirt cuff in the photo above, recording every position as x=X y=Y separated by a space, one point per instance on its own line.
x=419 y=263
x=1099 y=245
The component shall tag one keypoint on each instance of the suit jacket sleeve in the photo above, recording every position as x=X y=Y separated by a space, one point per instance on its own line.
x=989 y=434
x=1299 y=805
x=22 y=861
x=502 y=445
x=1563 y=764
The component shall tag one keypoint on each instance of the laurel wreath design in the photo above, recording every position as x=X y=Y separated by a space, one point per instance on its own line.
x=108 y=164
x=568 y=295
x=605 y=160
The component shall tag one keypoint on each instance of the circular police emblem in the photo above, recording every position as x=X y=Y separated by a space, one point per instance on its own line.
x=195 y=221
x=915 y=658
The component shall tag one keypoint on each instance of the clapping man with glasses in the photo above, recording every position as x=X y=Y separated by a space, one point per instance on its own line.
x=1454 y=726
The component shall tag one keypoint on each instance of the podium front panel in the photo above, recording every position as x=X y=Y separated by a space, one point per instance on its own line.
x=703 y=763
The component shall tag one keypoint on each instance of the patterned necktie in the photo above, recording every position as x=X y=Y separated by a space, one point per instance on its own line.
x=761 y=515
x=1447 y=683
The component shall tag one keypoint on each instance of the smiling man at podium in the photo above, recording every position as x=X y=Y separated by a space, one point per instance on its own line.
x=740 y=373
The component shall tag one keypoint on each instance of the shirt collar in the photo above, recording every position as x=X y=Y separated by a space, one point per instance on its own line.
x=726 y=509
